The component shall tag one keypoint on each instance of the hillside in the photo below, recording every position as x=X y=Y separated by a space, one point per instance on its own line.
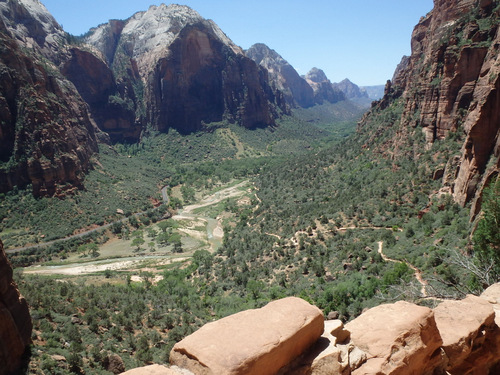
x=402 y=207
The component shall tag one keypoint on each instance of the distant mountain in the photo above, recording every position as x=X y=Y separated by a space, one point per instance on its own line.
x=322 y=87
x=373 y=92
x=350 y=89
x=283 y=76
x=185 y=71
x=164 y=68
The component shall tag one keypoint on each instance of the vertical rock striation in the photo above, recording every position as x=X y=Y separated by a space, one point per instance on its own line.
x=46 y=134
x=186 y=71
x=449 y=85
x=283 y=76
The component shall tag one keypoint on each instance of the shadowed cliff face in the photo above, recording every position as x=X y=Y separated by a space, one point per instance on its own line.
x=46 y=135
x=15 y=320
x=191 y=72
x=204 y=81
x=450 y=85
x=112 y=105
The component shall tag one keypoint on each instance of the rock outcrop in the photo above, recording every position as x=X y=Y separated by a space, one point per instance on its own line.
x=157 y=370
x=112 y=104
x=15 y=320
x=46 y=134
x=251 y=342
x=283 y=76
x=450 y=84
x=188 y=71
x=289 y=337
x=402 y=338
x=323 y=88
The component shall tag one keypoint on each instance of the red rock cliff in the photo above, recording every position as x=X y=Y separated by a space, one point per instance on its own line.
x=15 y=320
x=46 y=134
x=450 y=84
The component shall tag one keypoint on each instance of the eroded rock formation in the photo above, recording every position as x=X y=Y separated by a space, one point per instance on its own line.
x=283 y=76
x=322 y=87
x=46 y=134
x=350 y=90
x=191 y=73
x=15 y=320
x=450 y=84
x=251 y=342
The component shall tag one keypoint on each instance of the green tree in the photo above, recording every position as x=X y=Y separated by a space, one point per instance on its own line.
x=487 y=235
x=137 y=242
x=93 y=250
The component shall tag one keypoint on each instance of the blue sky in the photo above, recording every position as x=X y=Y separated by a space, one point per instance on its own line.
x=362 y=40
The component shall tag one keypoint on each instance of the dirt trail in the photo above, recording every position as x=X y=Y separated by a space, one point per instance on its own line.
x=417 y=272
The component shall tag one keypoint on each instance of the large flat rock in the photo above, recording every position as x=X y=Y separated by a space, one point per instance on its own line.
x=156 y=370
x=470 y=335
x=257 y=341
x=399 y=338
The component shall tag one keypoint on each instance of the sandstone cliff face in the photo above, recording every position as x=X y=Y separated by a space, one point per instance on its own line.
x=450 y=83
x=191 y=73
x=15 y=321
x=323 y=88
x=46 y=134
x=34 y=27
x=296 y=91
x=112 y=105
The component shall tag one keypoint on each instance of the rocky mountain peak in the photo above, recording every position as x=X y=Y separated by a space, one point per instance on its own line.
x=316 y=75
x=262 y=54
x=147 y=35
x=322 y=87
x=282 y=75
x=31 y=24
x=351 y=90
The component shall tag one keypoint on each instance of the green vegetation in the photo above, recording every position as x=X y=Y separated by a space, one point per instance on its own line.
x=487 y=237
x=341 y=221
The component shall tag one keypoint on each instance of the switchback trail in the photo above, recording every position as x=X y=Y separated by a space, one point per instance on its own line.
x=417 y=272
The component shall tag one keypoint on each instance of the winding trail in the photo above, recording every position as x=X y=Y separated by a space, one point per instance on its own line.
x=417 y=272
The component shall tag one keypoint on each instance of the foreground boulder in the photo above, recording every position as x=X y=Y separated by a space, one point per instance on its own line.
x=15 y=320
x=257 y=341
x=470 y=335
x=156 y=370
x=399 y=338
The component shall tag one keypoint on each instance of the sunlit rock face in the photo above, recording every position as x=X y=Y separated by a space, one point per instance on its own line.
x=191 y=73
x=323 y=89
x=296 y=91
x=450 y=83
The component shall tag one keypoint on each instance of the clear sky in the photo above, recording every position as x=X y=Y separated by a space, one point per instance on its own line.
x=362 y=40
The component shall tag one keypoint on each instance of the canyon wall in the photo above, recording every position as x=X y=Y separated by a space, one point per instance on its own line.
x=46 y=134
x=15 y=320
x=449 y=87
